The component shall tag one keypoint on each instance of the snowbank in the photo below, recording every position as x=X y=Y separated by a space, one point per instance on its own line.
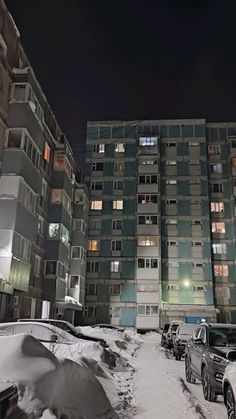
x=64 y=387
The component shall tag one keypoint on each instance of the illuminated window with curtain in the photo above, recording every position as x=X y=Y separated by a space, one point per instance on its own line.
x=96 y=205
x=94 y=245
x=147 y=241
x=218 y=227
x=217 y=207
x=118 y=205
x=115 y=266
x=221 y=270
x=47 y=152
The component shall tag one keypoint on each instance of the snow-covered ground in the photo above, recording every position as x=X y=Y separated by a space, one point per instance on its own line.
x=161 y=390
x=132 y=379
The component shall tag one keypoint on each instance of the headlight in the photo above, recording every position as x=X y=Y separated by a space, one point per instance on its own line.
x=219 y=360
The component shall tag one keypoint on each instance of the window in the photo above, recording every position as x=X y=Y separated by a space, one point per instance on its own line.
x=147 y=310
x=216 y=168
x=233 y=162
x=26 y=196
x=147 y=179
x=115 y=266
x=196 y=243
x=16 y=300
x=92 y=266
x=221 y=270
x=119 y=166
x=14 y=138
x=74 y=281
x=120 y=148
x=59 y=196
x=147 y=141
x=41 y=226
x=147 y=241
x=91 y=289
x=59 y=231
x=37 y=265
x=94 y=224
x=171 y=163
x=216 y=187
x=171 y=221
x=21 y=248
x=147 y=160
x=116 y=245
x=78 y=197
x=171 y=202
x=171 y=182
x=79 y=225
x=97 y=167
x=172 y=243
x=115 y=289
x=118 y=185
x=173 y=264
x=99 y=148
x=56 y=195
x=61 y=163
x=214 y=149
x=47 y=152
x=90 y=311
x=78 y=252
x=147 y=263
x=117 y=224
x=170 y=145
x=218 y=227
x=171 y=287
x=147 y=199
x=196 y=222
x=19 y=92
x=219 y=248
x=51 y=267
x=147 y=219
x=19 y=138
x=94 y=245
x=97 y=185
x=96 y=205
x=118 y=205
x=195 y=181
x=199 y=288
x=217 y=207
x=194 y=162
x=194 y=144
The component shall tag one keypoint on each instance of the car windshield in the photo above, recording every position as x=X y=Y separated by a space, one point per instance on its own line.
x=225 y=336
x=187 y=329
x=174 y=327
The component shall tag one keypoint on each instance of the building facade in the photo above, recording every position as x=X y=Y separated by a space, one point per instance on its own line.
x=38 y=190
x=161 y=222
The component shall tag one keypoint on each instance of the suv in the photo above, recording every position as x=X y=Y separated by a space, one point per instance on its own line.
x=210 y=350
x=171 y=333
x=8 y=399
x=183 y=334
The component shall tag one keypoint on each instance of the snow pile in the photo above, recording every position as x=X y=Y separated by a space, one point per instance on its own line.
x=64 y=387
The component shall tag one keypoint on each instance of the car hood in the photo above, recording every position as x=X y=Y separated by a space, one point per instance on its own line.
x=226 y=352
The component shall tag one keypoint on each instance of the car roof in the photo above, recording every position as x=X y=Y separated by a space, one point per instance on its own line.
x=46 y=325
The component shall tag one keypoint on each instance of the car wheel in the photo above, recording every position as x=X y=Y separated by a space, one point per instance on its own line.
x=188 y=372
x=230 y=403
x=208 y=392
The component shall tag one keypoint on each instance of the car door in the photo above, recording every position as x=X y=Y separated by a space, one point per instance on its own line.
x=193 y=349
x=199 y=348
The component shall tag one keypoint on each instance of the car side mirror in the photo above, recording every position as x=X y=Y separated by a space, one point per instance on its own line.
x=54 y=338
x=198 y=341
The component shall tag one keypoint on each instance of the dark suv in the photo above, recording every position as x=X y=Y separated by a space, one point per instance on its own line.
x=208 y=353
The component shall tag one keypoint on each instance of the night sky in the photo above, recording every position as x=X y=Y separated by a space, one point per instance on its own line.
x=131 y=59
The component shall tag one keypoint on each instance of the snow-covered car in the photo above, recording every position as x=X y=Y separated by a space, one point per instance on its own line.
x=67 y=327
x=171 y=333
x=229 y=390
x=8 y=399
x=43 y=332
x=183 y=334
x=109 y=326
x=208 y=353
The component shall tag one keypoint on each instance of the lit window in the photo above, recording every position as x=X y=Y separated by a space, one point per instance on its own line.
x=96 y=205
x=56 y=195
x=59 y=231
x=54 y=230
x=216 y=168
x=118 y=205
x=94 y=245
x=171 y=182
x=171 y=163
x=218 y=227
x=214 y=149
x=115 y=266
x=115 y=289
x=120 y=148
x=219 y=248
x=99 y=148
x=47 y=151
x=61 y=163
x=148 y=141
x=147 y=160
x=147 y=241
x=171 y=221
x=217 y=207
x=221 y=270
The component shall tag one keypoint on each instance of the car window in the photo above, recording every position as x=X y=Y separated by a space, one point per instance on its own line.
x=196 y=333
x=202 y=334
x=166 y=327
x=41 y=332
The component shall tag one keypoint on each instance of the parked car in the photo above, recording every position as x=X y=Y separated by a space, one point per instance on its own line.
x=210 y=350
x=8 y=399
x=183 y=334
x=164 y=333
x=109 y=326
x=67 y=327
x=171 y=333
x=229 y=390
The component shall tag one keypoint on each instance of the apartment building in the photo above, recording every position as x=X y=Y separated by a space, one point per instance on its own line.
x=38 y=195
x=161 y=222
